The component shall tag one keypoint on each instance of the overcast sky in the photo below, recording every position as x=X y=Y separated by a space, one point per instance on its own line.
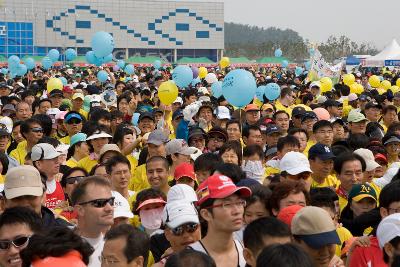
x=361 y=20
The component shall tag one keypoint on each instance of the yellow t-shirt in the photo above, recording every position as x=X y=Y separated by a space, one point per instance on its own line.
x=139 y=180
x=1 y=179
x=271 y=170
x=342 y=203
x=310 y=143
x=280 y=106
x=329 y=181
x=87 y=163
x=20 y=152
x=84 y=113
x=66 y=140
x=72 y=163
x=344 y=235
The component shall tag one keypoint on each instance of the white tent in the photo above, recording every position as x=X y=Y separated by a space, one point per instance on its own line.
x=390 y=52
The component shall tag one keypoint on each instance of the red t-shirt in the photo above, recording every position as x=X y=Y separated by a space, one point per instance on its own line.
x=371 y=256
x=53 y=199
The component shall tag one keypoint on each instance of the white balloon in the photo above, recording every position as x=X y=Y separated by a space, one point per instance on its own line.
x=211 y=78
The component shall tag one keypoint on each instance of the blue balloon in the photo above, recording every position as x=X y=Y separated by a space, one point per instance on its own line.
x=307 y=65
x=54 y=55
x=121 y=63
x=70 y=54
x=196 y=81
x=239 y=87
x=272 y=91
x=278 y=52
x=135 y=119
x=47 y=63
x=4 y=71
x=157 y=64
x=90 y=57
x=182 y=76
x=102 y=76
x=298 y=71
x=102 y=44
x=63 y=80
x=30 y=63
x=13 y=61
x=127 y=79
x=260 y=92
x=129 y=69
x=285 y=63
x=216 y=89
x=22 y=70
x=311 y=51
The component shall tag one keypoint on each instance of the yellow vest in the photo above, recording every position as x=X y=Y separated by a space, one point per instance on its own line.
x=20 y=152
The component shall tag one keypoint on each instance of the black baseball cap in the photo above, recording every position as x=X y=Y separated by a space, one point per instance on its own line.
x=298 y=111
x=332 y=103
x=273 y=128
x=148 y=115
x=177 y=114
x=321 y=151
x=373 y=104
x=308 y=115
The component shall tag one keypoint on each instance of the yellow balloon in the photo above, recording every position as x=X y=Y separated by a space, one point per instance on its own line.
x=353 y=88
x=326 y=84
x=202 y=72
x=395 y=88
x=167 y=92
x=54 y=83
x=224 y=62
x=398 y=82
x=385 y=84
x=348 y=79
x=374 y=81
x=360 y=89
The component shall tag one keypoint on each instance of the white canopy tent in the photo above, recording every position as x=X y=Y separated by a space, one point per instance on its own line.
x=390 y=52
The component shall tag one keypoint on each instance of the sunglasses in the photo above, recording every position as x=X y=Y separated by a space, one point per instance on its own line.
x=188 y=227
x=74 y=121
x=17 y=242
x=76 y=179
x=37 y=130
x=99 y=203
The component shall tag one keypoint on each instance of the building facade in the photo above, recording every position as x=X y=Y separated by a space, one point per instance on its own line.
x=168 y=29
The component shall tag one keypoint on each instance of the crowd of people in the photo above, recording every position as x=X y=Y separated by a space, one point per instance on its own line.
x=309 y=179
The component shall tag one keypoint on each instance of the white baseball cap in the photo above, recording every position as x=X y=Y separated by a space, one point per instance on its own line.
x=179 y=146
x=196 y=154
x=352 y=97
x=121 y=206
x=294 y=163
x=178 y=100
x=178 y=213
x=388 y=229
x=368 y=157
x=44 y=151
x=222 y=113
x=181 y=193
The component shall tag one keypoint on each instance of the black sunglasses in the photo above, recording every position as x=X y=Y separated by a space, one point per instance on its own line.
x=37 y=130
x=99 y=203
x=188 y=227
x=18 y=242
x=74 y=121
x=76 y=179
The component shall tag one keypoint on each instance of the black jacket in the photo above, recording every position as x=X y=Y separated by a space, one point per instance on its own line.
x=50 y=221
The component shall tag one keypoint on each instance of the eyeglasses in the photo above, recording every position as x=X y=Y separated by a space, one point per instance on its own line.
x=99 y=203
x=37 y=130
x=217 y=139
x=17 y=242
x=106 y=261
x=188 y=227
x=76 y=179
x=229 y=205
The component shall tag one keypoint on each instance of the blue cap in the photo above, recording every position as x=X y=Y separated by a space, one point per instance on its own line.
x=73 y=115
x=76 y=138
x=177 y=113
x=321 y=151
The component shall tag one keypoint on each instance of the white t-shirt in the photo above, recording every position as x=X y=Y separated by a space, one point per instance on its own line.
x=97 y=244
x=51 y=186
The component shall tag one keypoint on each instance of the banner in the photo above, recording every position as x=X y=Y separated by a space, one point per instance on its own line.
x=319 y=68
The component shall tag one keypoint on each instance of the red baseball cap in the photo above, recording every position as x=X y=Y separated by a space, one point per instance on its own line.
x=286 y=214
x=252 y=107
x=184 y=170
x=67 y=89
x=219 y=186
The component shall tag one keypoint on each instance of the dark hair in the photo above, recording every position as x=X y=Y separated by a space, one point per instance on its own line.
x=80 y=189
x=235 y=146
x=120 y=132
x=190 y=257
x=286 y=91
x=284 y=255
x=46 y=122
x=323 y=197
x=288 y=140
x=143 y=156
x=71 y=149
x=43 y=100
x=189 y=93
x=320 y=124
x=232 y=121
x=144 y=195
x=345 y=157
x=207 y=162
x=116 y=114
x=246 y=130
x=158 y=158
x=26 y=125
x=49 y=140
x=389 y=108
x=395 y=243
x=112 y=162
x=356 y=141
x=98 y=114
x=21 y=215
x=55 y=243
x=262 y=228
x=95 y=167
x=232 y=171
x=4 y=161
x=391 y=193
x=125 y=96
x=260 y=193
x=395 y=126
x=63 y=181
x=283 y=190
x=137 y=242
x=251 y=150
x=280 y=112
x=293 y=131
